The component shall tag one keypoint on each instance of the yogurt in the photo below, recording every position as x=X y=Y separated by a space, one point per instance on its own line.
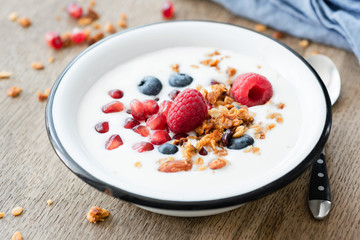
x=191 y=185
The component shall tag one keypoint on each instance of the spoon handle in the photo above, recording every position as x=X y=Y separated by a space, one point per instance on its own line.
x=319 y=192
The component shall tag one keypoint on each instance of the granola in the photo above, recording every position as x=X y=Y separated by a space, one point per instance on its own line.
x=96 y=214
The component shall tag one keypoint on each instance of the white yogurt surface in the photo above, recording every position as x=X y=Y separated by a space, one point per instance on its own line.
x=243 y=168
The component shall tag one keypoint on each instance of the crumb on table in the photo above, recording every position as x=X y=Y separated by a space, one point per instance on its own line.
x=24 y=22
x=4 y=74
x=2 y=214
x=14 y=91
x=37 y=65
x=17 y=211
x=17 y=236
x=96 y=214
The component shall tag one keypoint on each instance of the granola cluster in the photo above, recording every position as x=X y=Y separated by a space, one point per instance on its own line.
x=96 y=214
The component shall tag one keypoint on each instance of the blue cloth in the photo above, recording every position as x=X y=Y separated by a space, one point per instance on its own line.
x=332 y=22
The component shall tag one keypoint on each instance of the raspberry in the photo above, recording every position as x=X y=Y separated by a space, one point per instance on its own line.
x=156 y=122
x=187 y=111
x=251 y=89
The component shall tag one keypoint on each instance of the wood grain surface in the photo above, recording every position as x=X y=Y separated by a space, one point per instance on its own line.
x=31 y=173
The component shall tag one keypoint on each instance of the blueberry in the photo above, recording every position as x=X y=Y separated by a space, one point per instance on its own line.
x=180 y=80
x=150 y=86
x=240 y=143
x=168 y=148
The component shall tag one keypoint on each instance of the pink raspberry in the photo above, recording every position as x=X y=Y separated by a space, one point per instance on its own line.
x=187 y=111
x=251 y=89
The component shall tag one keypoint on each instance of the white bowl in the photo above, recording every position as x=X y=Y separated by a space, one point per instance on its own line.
x=90 y=65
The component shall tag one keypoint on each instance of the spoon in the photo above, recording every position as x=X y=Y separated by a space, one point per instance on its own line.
x=319 y=190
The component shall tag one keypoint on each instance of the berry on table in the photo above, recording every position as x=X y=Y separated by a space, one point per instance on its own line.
x=187 y=111
x=74 y=10
x=151 y=107
x=159 y=137
x=78 y=36
x=114 y=142
x=143 y=147
x=114 y=106
x=180 y=80
x=116 y=93
x=168 y=9
x=138 y=110
x=156 y=122
x=150 y=86
x=53 y=39
x=168 y=148
x=241 y=142
x=251 y=89
x=102 y=127
x=130 y=123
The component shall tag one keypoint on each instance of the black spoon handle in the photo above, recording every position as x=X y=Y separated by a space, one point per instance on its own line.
x=319 y=182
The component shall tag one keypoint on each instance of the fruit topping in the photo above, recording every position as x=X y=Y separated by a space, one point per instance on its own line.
x=151 y=107
x=187 y=111
x=159 y=137
x=114 y=106
x=175 y=166
x=138 y=110
x=180 y=135
x=150 y=86
x=168 y=9
x=217 y=163
x=113 y=142
x=168 y=148
x=165 y=107
x=130 y=123
x=53 y=39
x=156 y=122
x=214 y=82
x=203 y=151
x=116 y=93
x=173 y=94
x=226 y=137
x=74 y=10
x=251 y=89
x=142 y=130
x=143 y=147
x=102 y=127
x=240 y=143
x=180 y=80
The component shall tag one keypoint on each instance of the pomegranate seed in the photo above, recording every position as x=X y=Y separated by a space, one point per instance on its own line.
x=130 y=123
x=143 y=147
x=165 y=106
x=180 y=135
x=112 y=107
x=74 y=10
x=138 y=110
x=159 y=137
x=53 y=39
x=168 y=9
x=116 y=93
x=156 y=122
x=78 y=36
x=151 y=107
x=173 y=94
x=142 y=130
x=113 y=142
x=214 y=82
x=203 y=151
x=102 y=127
x=209 y=106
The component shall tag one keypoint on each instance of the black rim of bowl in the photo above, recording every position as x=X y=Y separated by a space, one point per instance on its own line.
x=184 y=205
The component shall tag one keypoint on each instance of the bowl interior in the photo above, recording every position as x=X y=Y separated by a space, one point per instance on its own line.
x=87 y=68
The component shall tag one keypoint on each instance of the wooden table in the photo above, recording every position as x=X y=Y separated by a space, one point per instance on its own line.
x=31 y=173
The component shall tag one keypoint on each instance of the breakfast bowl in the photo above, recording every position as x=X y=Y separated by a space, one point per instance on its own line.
x=122 y=60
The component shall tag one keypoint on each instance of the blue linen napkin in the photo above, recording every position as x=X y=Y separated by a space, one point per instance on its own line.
x=331 y=22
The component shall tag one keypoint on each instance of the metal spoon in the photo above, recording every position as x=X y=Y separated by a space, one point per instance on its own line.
x=319 y=191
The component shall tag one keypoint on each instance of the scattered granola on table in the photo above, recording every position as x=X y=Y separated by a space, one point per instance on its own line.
x=5 y=74
x=2 y=214
x=24 y=22
x=14 y=91
x=13 y=16
x=96 y=214
x=17 y=236
x=17 y=211
x=37 y=65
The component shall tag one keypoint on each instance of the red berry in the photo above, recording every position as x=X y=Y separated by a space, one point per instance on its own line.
x=116 y=93
x=102 y=127
x=78 y=36
x=203 y=151
x=151 y=107
x=143 y=147
x=142 y=130
x=173 y=94
x=168 y=9
x=187 y=111
x=113 y=142
x=159 y=137
x=156 y=122
x=251 y=89
x=179 y=136
x=74 y=10
x=114 y=106
x=209 y=106
x=214 y=82
x=138 y=110
x=130 y=123
x=53 y=39
x=165 y=106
